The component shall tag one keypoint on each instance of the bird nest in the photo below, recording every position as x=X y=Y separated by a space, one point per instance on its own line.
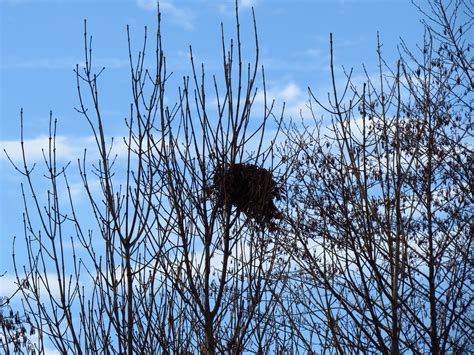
x=249 y=188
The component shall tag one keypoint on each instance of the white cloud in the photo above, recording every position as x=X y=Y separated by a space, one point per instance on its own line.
x=291 y=94
x=68 y=148
x=181 y=16
x=24 y=2
x=41 y=63
x=9 y=285
x=248 y=3
x=314 y=53
x=13 y=2
x=48 y=348
x=228 y=7
x=62 y=63
x=49 y=351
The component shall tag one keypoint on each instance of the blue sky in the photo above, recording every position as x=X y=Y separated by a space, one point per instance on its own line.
x=42 y=40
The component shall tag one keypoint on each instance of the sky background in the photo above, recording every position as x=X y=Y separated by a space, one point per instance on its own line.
x=42 y=40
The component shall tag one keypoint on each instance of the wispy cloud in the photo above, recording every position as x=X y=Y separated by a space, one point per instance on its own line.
x=49 y=351
x=181 y=16
x=61 y=63
x=67 y=148
x=25 y=2
x=9 y=285
x=15 y=2
x=248 y=3
x=294 y=97
x=323 y=40
x=228 y=7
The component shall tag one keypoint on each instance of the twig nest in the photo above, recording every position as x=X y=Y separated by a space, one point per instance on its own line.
x=249 y=188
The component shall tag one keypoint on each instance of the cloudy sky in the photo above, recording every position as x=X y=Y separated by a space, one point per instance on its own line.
x=42 y=40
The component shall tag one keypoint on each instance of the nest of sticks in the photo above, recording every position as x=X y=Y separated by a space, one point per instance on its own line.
x=249 y=188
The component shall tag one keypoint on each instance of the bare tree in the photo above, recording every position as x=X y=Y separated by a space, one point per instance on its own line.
x=354 y=236
x=15 y=330
x=176 y=263
x=382 y=205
